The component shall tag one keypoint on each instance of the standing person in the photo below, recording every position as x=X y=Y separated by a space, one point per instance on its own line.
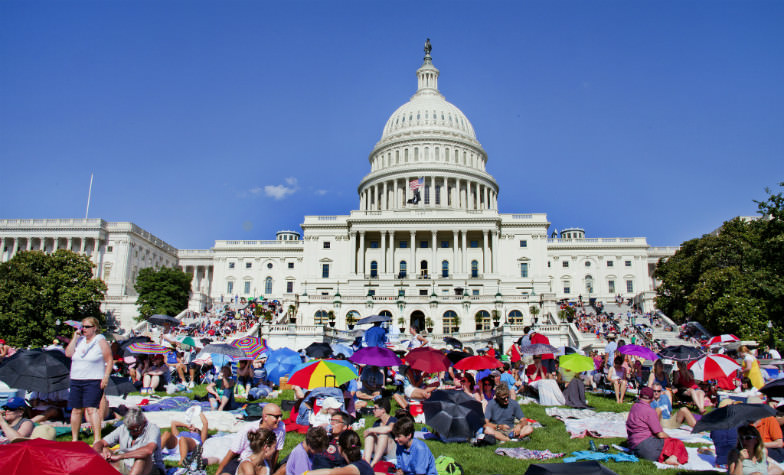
x=91 y=366
x=548 y=359
x=609 y=349
x=139 y=442
x=417 y=340
x=263 y=446
x=240 y=449
x=413 y=455
x=644 y=432
x=376 y=336
x=301 y=457
x=350 y=450
x=751 y=367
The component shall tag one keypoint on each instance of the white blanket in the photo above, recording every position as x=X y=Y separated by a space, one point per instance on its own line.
x=582 y=422
x=697 y=462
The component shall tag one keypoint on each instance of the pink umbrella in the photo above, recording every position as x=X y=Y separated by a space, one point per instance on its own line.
x=722 y=339
x=713 y=367
x=637 y=350
x=375 y=356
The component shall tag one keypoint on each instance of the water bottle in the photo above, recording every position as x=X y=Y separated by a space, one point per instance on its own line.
x=593 y=445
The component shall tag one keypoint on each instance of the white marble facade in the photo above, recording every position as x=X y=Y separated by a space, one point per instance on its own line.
x=441 y=252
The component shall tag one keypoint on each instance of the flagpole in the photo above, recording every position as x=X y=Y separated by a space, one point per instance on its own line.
x=89 y=193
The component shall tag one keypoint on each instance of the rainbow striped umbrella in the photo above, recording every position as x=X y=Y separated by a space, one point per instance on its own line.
x=323 y=373
x=147 y=348
x=251 y=345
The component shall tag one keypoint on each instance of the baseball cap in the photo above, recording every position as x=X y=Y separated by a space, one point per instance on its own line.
x=646 y=393
x=14 y=403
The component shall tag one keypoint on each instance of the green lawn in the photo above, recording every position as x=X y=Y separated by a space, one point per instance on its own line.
x=482 y=460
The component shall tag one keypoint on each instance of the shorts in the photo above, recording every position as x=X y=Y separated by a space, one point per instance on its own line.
x=549 y=365
x=670 y=423
x=85 y=393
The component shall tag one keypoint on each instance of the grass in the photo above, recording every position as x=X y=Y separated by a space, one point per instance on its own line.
x=483 y=460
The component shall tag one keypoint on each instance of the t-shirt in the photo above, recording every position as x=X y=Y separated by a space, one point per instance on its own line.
x=508 y=379
x=609 y=350
x=391 y=421
x=372 y=379
x=642 y=423
x=87 y=361
x=376 y=336
x=416 y=460
x=151 y=434
x=498 y=414
x=664 y=403
x=769 y=429
x=240 y=445
x=329 y=458
x=299 y=461
x=363 y=467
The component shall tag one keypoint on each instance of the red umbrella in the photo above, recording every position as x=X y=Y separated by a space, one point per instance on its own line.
x=726 y=338
x=49 y=457
x=427 y=360
x=713 y=367
x=478 y=362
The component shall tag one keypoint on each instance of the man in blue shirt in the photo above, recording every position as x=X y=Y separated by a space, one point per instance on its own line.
x=661 y=402
x=413 y=455
x=376 y=336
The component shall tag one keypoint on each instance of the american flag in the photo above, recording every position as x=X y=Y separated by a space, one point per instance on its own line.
x=416 y=184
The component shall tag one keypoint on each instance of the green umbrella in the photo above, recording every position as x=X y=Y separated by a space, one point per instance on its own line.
x=576 y=363
x=186 y=340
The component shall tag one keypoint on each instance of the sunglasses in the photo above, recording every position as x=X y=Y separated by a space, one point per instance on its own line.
x=88 y=326
x=749 y=437
x=656 y=391
x=276 y=416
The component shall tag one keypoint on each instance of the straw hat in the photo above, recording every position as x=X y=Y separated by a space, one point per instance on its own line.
x=44 y=431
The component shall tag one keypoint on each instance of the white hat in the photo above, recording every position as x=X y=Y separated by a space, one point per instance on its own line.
x=330 y=403
x=192 y=413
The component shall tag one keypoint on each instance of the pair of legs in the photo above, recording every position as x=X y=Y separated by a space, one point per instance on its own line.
x=181 y=372
x=619 y=387
x=224 y=401
x=151 y=381
x=697 y=396
x=520 y=430
x=93 y=416
x=413 y=393
x=142 y=466
x=376 y=447
x=184 y=444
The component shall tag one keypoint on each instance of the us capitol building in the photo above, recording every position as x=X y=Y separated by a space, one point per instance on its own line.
x=426 y=245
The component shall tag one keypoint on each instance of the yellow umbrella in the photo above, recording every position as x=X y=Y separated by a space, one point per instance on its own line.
x=576 y=363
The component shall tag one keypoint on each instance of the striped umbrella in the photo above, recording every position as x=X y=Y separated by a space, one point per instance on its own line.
x=323 y=373
x=147 y=348
x=713 y=367
x=726 y=338
x=251 y=345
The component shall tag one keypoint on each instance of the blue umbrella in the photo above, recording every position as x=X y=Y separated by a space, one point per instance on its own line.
x=341 y=348
x=281 y=362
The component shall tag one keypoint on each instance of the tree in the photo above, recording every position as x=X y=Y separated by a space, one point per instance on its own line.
x=731 y=281
x=37 y=289
x=162 y=290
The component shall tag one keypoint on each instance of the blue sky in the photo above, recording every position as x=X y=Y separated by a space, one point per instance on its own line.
x=231 y=120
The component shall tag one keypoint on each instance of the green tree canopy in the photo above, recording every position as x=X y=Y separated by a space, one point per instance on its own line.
x=37 y=289
x=731 y=281
x=162 y=290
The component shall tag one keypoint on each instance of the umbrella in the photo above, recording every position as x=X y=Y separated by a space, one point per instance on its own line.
x=427 y=360
x=251 y=346
x=186 y=340
x=576 y=363
x=455 y=356
x=163 y=320
x=322 y=373
x=567 y=350
x=341 y=349
x=280 y=363
x=318 y=350
x=375 y=356
x=456 y=344
x=713 y=367
x=73 y=323
x=774 y=388
x=45 y=371
x=50 y=457
x=453 y=414
x=681 y=353
x=537 y=349
x=119 y=386
x=478 y=362
x=147 y=348
x=731 y=416
x=591 y=467
x=637 y=350
x=134 y=339
x=726 y=338
x=223 y=349
x=374 y=319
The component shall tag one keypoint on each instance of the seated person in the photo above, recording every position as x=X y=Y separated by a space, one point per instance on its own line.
x=661 y=402
x=15 y=423
x=154 y=375
x=770 y=431
x=245 y=375
x=686 y=387
x=750 y=456
x=240 y=450
x=349 y=449
x=48 y=406
x=504 y=419
x=301 y=457
x=263 y=448
x=619 y=378
x=185 y=441
x=535 y=372
x=140 y=445
x=644 y=432
x=221 y=395
x=413 y=455
x=330 y=457
x=378 y=440
x=371 y=383
x=413 y=388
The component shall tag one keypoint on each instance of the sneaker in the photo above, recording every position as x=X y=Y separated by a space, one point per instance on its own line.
x=191 y=385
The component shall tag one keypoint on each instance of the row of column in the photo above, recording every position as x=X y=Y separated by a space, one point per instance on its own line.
x=202 y=278
x=26 y=244
x=462 y=194
x=459 y=251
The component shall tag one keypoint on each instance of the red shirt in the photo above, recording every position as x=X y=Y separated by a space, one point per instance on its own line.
x=539 y=338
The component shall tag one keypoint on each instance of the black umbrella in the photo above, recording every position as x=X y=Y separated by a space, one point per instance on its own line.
x=453 y=414
x=734 y=415
x=455 y=356
x=574 y=468
x=374 y=319
x=318 y=350
x=45 y=371
x=456 y=344
x=163 y=320
x=681 y=353
x=774 y=388
x=119 y=386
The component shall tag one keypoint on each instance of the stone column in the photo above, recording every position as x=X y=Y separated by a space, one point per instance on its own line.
x=386 y=196
x=487 y=198
x=70 y=243
x=361 y=259
x=433 y=266
x=396 y=204
x=15 y=248
x=412 y=246
x=463 y=253
x=353 y=253
x=485 y=253
x=82 y=245
x=494 y=251
x=30 y=244
x=383 y=269
x=455 y=267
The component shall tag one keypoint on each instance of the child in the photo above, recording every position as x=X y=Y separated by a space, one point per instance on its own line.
x=413 y=455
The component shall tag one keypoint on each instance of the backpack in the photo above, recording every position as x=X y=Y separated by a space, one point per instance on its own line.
x=446 y=465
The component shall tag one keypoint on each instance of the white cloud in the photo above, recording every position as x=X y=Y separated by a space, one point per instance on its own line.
x=256 y=191
x=291 y=181
x=321 y=192
x=278 y=192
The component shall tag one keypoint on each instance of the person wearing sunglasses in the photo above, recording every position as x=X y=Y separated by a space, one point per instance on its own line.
x=91 y=366
x=750 y=456
x=240 y=450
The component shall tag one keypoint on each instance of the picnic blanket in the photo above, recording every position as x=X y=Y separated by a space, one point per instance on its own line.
x=217 y=420
x=527 y=454
x=585 y=422
x=600 y=456
x=688 y=437
x=697 y=462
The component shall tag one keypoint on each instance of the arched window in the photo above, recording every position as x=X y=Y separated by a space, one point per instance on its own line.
x=321 y=317
x=474 y=269
x=515 y=317
x=451 y=324
x=354 y=314
x=589 y=284
x=423 y=268
x=268 y=286
x=373 y=269
x=403 y=267
x=444 y=268
x=482 y=319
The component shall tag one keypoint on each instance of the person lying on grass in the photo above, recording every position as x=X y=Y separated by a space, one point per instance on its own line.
x=185 y=441
x=504 y=419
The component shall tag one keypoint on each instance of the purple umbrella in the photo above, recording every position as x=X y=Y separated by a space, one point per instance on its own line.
x=637 y=350
x=375 y=356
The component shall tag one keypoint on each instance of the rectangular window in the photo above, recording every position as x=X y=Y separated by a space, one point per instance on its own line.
x=231 y=265
x=475 y=292
x=326 y=244
x=230 y=287
x=611 y=286
x=423 y=244
x=438 y=194
x=108 y=248
x=523 y=243
x=524 y=270
x=248 y=265
x=291 y=265
x=444 y=244
x=610 y=263
x=630 y=286
x=474 y=243
x=289 y=287
x=628 y=263
x=374 y=244
x=423 y=292
x=403 y=244
x=565 y=263
x=325 y=271
x=371 y=292
x=247 y=287
x=567 y=289
x=549 y=264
